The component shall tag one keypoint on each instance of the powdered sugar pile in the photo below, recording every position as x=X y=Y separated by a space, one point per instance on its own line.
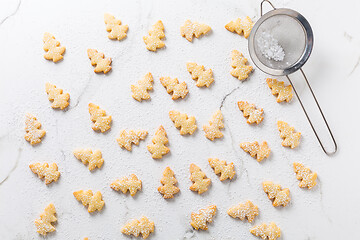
x=270 y=48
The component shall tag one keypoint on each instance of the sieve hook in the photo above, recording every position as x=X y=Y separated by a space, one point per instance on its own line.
x=307 y=116
x=261 y=6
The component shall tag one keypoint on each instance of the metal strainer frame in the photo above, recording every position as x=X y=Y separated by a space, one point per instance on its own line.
x=294 y=67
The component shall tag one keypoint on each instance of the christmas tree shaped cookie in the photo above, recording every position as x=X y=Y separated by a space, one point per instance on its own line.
x=270 y=232
x=158 y=147
x=52 y=48
x=244 y=210
x=172 y=85
x=203 y=77
x=98 y=116
x=127 y=138
x=33 y=131
x=156 y=34
x=304 y=174
x=276 y=193
x=240 y=26
x=136 y=227
x=140 y=90
x=256 y=150
x=87 y=198
x=44 y=223
x=168 y=181
x=190 y=29
x=114 y=27
x=250 y=112
x=186 y=124
x=98 y=59
x=278 y=88
x=226 y=171
x=56 y=95
x=199 y=220
x=43 y=170
x=238 y=63
x=131 y=184
x=212 y=130
x=87 y=156
x=290 y=137
x=199 y=179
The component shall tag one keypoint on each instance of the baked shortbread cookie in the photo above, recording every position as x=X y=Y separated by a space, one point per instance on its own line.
x=186 y=124
x=127 y=138
x=168 y=181
x=87 y=198
x=227 y=171
x=238 y=63
x=52 y=48
x=158 y=147
x=136 y=227
x=131 y=184
x=270 y=232
x=256 y=150
x=190 y=29
x=172 y=85
x=240 y=26
x=56 y=96
x=156 y=34
x=199 y=179
x=140 y=90
x=32 y=128
x=43 y=170
x=244 y=210
x=200 y=75
x=102 y=122
x=114 y=27
x=98 y=60
x=87 y=156
x=250 y=112
x=284 y=93
x=205 y=215
x=213 y=129
x=290 y=137
x=44 y=223
x=276 y=193
x=304 y=174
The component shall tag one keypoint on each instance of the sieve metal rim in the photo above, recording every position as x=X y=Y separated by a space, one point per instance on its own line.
x=309 y=42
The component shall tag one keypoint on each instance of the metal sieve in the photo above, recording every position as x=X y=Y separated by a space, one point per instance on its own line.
x=294 y=35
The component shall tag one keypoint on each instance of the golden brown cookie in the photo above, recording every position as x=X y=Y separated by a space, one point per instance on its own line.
x=291 y=138
x=98 y=59
x=276 y=193
x=136 y=227
x=227 y=171
x=256 y=150
x=131 y=184
x=238 y=63
x=205 y=215
x=114 y=27
x=44 y=223
x=240 y=26
x=32 y=129
x=43 y=170
x=304 y=174
x=172 y=85
x=156 y=34
x=199 y=179
x=186 y=124
x=271 y=231
x=87 y=198
x=213 y=129
x=190 y=29
x=168 y=181
x=200 y=75
x=52 y=48
x=244 y=210
x=158 y=147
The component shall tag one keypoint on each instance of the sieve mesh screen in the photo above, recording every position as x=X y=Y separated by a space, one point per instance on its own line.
x=289 y=34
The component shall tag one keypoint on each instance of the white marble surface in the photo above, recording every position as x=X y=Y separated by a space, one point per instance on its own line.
x=329 y=211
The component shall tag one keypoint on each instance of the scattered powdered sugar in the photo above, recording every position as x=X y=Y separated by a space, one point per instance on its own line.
x=269 y=47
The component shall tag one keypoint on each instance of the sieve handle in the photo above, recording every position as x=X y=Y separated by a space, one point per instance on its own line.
x=261 y=6
x=308 y=118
